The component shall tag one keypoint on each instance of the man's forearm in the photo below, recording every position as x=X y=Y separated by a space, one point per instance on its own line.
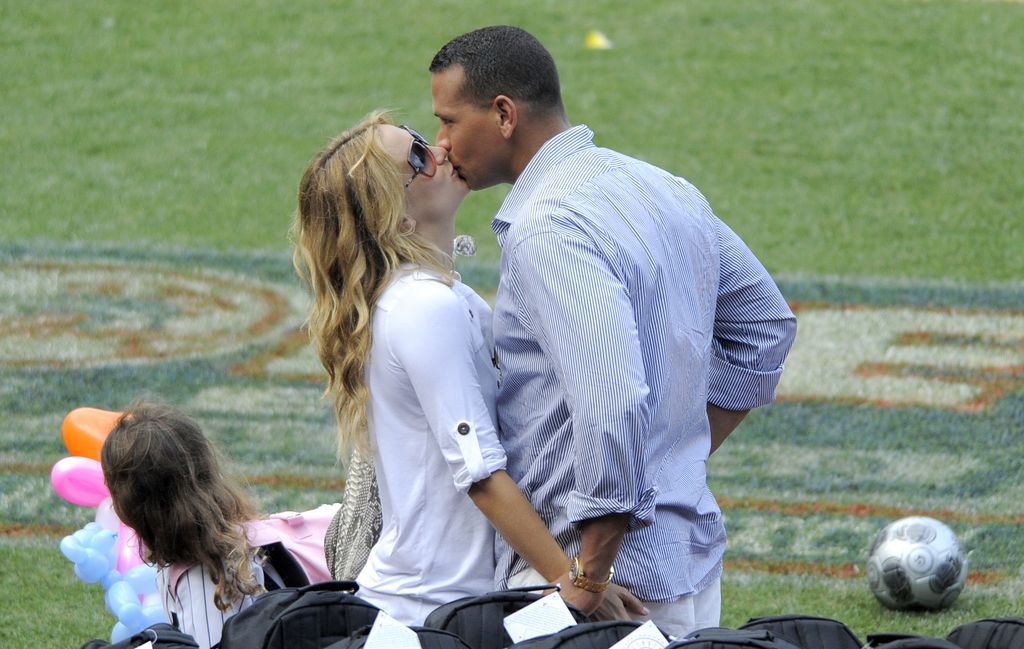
x=601 y=539
x=723 y=422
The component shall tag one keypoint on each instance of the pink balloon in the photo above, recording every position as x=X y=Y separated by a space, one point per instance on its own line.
x=79 y=480
x=128 y=549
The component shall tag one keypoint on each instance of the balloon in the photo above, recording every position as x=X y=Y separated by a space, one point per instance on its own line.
x=79 y=481
x=120 y=632
x=72 y=549
x=105 y=516
x=151 y=615
x=91 y=549
x=142 y=578
x=128 y=549
x=112 y=578
x=85 y=429
x=103 y=541
x=123 y=602
x=93 y=567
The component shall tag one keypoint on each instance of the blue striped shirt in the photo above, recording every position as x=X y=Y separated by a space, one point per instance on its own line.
x=625 y=306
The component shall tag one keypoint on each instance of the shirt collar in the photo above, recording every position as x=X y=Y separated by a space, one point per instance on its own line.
x=554 y=151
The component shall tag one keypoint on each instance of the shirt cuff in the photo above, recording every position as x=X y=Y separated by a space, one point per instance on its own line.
x=489 y=461
x=739 y=388
x=583 y=508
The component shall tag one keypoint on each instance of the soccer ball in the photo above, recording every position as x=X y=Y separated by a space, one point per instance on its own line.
x=917 y=562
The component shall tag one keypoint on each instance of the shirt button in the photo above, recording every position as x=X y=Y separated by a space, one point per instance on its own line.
x=463 y=428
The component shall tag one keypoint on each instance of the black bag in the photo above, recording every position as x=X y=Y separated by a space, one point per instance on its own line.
x=280 y=568
x=900 y=641
x=808 y=631
x=722 y=638
x=310 y=617
x=884 y=638
x=990 y=633
x=582 y=636
x=480 y=619
x=163 y=636
x=429 y=639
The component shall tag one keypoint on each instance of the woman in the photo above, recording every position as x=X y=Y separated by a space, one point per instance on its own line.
x=408 y=353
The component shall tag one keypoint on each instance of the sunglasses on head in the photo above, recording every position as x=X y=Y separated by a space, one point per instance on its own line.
x=421 y=158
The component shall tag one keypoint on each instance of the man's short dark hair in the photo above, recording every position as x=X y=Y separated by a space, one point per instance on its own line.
x=503 y=60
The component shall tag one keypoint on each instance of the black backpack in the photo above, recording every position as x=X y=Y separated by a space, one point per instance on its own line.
x=429 y=639
x=162 y=636
x=480 y=619
x=990 y=633
x=904 y=641
x=310 y=617
x=808 y=631
x=582 y=636
x=722 y=638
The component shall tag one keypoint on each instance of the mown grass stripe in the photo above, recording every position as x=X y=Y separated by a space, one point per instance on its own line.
x=773 y=567
x=864 y=510
x=838 y=570
x=36 y=529
x=817 y=507
x=288 y=481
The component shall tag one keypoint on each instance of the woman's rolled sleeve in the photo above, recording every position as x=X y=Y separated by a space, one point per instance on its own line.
x=433 y=338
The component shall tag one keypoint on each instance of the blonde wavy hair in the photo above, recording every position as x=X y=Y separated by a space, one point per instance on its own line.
x=351 y=235
x=166 y=483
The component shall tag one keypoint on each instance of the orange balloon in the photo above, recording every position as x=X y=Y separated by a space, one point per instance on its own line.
x=85 y=429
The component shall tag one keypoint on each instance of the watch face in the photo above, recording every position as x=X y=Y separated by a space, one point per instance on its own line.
x=574 y=570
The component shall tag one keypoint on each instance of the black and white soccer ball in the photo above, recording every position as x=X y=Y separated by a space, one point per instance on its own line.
x=917 y=562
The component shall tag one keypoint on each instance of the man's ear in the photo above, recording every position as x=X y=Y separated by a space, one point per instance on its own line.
x=506 y=115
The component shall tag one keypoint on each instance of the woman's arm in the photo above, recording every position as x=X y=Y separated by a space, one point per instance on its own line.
x=508 y=510
x=501 y=501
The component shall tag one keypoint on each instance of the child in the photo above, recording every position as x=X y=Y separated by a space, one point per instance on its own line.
x=166 y=483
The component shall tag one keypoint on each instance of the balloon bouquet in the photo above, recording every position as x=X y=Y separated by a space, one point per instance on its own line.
x=106 y=550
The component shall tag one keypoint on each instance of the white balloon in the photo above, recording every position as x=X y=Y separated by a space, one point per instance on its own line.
x=105 y=516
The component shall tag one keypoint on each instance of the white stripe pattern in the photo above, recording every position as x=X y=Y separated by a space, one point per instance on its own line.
x=189 y=603
x=625 y=306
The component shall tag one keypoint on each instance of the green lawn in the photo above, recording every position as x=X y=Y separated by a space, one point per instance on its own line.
x=871 y=153
x=840 y=138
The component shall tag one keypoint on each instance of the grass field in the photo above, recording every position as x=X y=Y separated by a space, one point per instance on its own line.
x=871 y=153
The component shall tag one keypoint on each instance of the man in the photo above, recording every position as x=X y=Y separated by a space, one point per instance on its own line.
x=634 y=330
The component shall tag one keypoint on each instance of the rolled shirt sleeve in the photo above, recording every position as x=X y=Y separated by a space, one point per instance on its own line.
x=436 y=342
x=754 y=329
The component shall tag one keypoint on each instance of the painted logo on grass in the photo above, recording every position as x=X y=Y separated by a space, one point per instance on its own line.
x=805 y=487
x=900 y=356
x=61 y=314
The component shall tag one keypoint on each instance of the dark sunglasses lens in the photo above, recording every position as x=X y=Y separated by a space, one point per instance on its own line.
x=420 y=158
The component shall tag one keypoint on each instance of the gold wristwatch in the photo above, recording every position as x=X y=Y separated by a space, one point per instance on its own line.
x=580 y=580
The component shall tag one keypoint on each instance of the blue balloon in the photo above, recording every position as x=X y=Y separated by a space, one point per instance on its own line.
x=142 y=578
x=72 y=549
x=152 y=615
x=103 y=541
x=92 y=567
x=82 y=536
x=120 y=632
x=112 y=577
x=124 y=603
